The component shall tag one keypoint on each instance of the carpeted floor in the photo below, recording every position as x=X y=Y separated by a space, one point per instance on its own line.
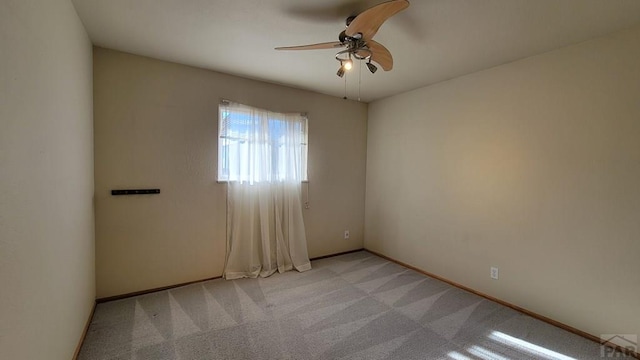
x=354 y=306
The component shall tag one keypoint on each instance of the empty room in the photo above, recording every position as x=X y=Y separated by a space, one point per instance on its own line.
x=321 y=179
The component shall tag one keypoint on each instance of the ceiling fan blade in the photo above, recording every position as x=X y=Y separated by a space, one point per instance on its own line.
x=369 y=21
x=326 y=45
x=381 y=55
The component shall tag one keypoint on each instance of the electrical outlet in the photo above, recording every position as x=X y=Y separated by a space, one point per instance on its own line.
x=346 y=234
x=494 y=273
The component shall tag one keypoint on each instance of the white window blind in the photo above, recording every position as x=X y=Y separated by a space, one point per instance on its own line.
x=257 y=145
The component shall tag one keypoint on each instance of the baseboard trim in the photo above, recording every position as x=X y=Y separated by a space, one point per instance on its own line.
x=514 y=307
x=337 y=254
x=84 y=332
x=168 y=287
x=149 y=291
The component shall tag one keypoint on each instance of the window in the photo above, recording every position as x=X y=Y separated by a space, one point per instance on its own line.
x=256 y=145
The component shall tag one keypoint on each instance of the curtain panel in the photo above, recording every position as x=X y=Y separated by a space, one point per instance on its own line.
x=263 y=158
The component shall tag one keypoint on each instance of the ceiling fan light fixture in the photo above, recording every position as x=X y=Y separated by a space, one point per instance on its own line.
x=340 y=72
x=372 y=68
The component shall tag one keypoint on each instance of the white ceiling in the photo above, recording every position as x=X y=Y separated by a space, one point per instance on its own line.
x=431 y=41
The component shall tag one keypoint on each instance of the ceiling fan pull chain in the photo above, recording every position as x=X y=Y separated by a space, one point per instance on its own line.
x=359 y=78
x=345 y=87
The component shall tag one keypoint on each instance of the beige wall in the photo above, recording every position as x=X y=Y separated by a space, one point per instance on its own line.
x=156 y=126
x=534 y=167
x=47 y=285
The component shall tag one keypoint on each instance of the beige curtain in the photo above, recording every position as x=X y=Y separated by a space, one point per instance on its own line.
x=265 y=226
x=265 y=230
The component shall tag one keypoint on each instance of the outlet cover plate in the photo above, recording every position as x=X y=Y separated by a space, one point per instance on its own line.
x=494 y=273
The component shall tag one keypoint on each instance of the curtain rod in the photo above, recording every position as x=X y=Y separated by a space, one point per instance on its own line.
x=224 y=101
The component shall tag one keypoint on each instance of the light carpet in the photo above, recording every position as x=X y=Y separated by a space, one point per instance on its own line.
x=353 y=306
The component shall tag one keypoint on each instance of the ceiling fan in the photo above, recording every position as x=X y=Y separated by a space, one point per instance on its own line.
x=357 y=38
